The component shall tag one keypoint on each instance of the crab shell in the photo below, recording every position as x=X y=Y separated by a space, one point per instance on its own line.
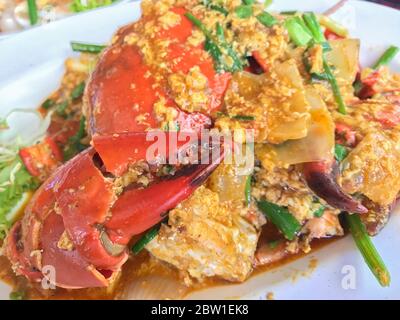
x=76 y=222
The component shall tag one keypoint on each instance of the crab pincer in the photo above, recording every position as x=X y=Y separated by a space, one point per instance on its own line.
x=42 y=245
x=321 y=179
x=79 y=226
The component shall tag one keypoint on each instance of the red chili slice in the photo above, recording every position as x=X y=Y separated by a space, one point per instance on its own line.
x=41 y=159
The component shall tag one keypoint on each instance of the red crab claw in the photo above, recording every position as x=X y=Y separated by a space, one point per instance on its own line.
x=14 y=252
x=321 y=179
x=40 y=243
x=98 y=228
x=71 y=269
x=139 y=209
x=84 y=197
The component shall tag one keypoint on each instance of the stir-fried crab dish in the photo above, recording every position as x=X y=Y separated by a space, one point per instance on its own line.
x=324 y=154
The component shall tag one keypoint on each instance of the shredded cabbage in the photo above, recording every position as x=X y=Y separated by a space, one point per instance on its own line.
x=15 y=180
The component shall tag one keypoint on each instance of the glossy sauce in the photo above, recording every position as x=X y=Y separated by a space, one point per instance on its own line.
x=135 y=269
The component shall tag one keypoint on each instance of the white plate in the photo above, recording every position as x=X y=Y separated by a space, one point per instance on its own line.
x=31 y=65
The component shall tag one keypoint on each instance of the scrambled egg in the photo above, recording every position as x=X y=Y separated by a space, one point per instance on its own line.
x=207 y=238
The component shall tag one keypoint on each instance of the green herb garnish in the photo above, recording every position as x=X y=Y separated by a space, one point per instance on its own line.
x=243 y=118
x=48 y=104
x=15 y=181
x=385 y=59
x=368 y=250
x=335 y=88
x=61 y=109
x=281 y=218
x=340 y=152
x=288 y=13
x=244 y=11
x=313 y=25
x=32 y=12
x=17 y=295
x=298 y=31
x=388 y=56
x=75 y=145
x=145 y=239
x=319 y=212
x=219 y=9
x=267 y=19
x=86 y=47
x=225 y=58
x=79 y=6
x=77 y=92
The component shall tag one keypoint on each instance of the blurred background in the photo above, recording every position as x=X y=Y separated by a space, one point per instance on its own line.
x=17 y=15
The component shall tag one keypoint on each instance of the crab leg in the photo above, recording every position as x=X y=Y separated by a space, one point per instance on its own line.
x=321 y=179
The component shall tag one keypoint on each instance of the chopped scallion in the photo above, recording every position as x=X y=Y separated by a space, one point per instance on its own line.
x=48 y=104
x=17 y=295
x=218 y=48
x=86 y=47
x=340 y=152
x=289 y=13
x=77 y=92
x=368 y=250
x=313 y=25
x=244 y=11
x=388 y=56
x=219 y=9
x=145 y=239
x=74 y=145
x=267 y=3
x=335 y=88
x=281 y=218
x=267 y=19
x=61 y=107
x=243 y=118
x=32 y=12
x=298 y=31
x=319 y=212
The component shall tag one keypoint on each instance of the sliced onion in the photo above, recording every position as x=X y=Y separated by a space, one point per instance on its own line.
x=229 y=179
x=21 y=135
x=154 y=287
x=316 y=146
x=344 y=56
